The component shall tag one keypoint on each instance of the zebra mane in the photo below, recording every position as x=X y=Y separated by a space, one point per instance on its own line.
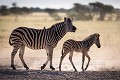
x=57 y=25
x=89 y=37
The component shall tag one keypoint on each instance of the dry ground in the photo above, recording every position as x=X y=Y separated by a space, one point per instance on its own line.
x=105 y=62
x=57 y=75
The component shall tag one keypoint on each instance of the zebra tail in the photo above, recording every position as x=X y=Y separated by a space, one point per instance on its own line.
x=10 y=41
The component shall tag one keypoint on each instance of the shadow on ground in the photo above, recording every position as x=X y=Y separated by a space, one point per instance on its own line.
x=57 y=75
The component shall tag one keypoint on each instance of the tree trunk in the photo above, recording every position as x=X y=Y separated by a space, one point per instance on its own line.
x=91 y=15
x=118 y=17
x=102 y=16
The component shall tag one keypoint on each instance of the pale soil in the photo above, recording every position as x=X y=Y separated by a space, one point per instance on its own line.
x=104 y=64
x=35 y=59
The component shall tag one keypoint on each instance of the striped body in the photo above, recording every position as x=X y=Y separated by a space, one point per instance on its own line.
x=79 y=46
x=39 y=39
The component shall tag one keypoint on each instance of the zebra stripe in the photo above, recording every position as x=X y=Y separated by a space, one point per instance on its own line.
x=71 y=44
x=79 y=46
x=39 y=39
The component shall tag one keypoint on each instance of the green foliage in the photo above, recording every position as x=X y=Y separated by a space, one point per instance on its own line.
x=4 y=10
x=102 y=9
x=25 y=10
x=78 y=16
x=79 y=12
x=53 y=13
x=15 y=10
x=55 y=16
x=50 y=11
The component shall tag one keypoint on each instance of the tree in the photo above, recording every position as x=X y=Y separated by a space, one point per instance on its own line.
x=102 y=9
x=25 y=10
x=117 y=11
x=15 y=10
x=79 y=12
x=53 y=13
x=4 y=10
x=50 y=11
x=14 y=4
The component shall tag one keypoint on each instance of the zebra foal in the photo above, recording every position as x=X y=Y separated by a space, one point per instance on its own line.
x=79 y=46
x=39 y=39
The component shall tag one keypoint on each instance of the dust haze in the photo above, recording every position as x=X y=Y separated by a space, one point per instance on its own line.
x=105 y=58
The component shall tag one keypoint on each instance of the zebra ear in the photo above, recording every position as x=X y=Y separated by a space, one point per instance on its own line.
x=65 y=19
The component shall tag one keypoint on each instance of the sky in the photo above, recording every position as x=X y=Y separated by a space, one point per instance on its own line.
x=57 y=4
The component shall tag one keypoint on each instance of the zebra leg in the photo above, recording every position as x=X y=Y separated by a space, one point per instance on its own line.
x=44 y=65
x=51 y=56
x=70 y=58
x=83 y=59
x=15 y=49
x=61 y=59
x=88 y=60
x=21 y=54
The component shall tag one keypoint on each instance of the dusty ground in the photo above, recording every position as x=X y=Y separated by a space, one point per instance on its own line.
x=104 y=64
x=9 y=74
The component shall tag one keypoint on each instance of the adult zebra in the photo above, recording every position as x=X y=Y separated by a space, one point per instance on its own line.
x=39 y=39
x=79 y=46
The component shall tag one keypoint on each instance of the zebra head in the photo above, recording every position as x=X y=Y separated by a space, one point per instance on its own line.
x=97 y=40
x=69 y=25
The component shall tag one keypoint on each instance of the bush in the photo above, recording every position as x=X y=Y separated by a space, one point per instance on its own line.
x=55 y=16
x=78 y=16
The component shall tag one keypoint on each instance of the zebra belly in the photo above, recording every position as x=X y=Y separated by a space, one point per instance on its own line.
x=78 y=50
x=34 y=45
x=82 y=50
x=31 y=47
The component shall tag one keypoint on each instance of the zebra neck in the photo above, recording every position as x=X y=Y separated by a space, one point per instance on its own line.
x=89 y=42
x=60 y=30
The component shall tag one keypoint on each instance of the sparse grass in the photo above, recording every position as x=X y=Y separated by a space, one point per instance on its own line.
x=108 y=30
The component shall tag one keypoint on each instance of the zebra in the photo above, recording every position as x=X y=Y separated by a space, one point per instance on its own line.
x=79 y=46
x=39 y=39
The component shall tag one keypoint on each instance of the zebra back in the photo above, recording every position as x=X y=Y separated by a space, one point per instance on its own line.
x=37 y=38
x=78 y=46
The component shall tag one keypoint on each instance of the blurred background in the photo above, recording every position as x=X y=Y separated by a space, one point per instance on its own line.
x=91 y=16
x=78 y=9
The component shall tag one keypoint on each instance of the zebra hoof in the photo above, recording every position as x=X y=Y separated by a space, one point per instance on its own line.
x=42 y=67
x=59 y=69
x=27 y=68
x=13 y=67
x=52 y=67
x=83 y=70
